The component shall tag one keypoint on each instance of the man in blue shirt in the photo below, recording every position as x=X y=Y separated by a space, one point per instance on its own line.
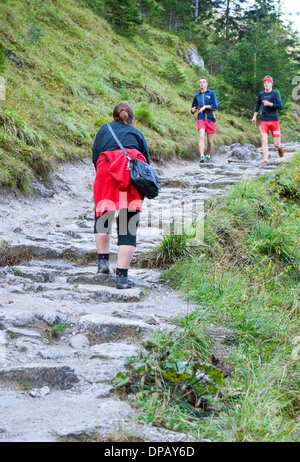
x=205 y=102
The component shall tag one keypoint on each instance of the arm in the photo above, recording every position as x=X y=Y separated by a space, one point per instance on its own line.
x=96 y=153
x=256 y=111
x=194 y=106
x=214 y=106
x=258 y=104
x=97 y=149
x=144 y=149
x=278 y=104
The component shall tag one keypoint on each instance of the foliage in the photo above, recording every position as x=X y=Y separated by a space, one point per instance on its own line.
x=123 y=15
x=55 y=330
x=11 y=257
x=2 y=59
x=246 y=279
x=175 y=367
x=173 y=73
x=172 y=247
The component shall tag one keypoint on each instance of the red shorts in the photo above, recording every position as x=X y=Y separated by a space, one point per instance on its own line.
x=265 y=126
x=209 y=127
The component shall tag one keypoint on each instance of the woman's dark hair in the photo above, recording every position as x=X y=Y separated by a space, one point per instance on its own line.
x=123 y=113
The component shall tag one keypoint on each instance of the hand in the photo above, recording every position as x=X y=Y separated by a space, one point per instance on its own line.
x=254 y=119
x=266 y=103
x=202 y=109
x=194 y=109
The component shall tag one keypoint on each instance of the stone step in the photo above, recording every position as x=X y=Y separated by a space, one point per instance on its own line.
x=84 y=293
x=39 y=376
x=108 y=327
x=33 y=273
x=18 y=318
x=114 y=350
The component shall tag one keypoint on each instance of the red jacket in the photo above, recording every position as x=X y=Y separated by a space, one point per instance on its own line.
x=112 y=188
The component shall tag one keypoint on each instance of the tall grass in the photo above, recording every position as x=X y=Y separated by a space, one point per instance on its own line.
x=244 y=280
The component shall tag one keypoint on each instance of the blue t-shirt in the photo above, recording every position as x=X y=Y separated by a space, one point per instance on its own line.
x=208 y=98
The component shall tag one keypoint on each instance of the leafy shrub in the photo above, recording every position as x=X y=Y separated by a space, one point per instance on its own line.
x=175 y=366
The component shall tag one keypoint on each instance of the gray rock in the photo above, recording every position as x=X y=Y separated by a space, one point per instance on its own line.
x=241 y=152
x=39 y=376
x=39 y=392
x=114 y=350
x=42 y=191
x=151 y=319
x=107 y=327
x=3 y=346
x=79 y=342
x=24 y=333
x=193 y=59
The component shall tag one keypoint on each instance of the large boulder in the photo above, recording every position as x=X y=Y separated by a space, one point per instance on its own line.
x=243 y=152
x=193 y=59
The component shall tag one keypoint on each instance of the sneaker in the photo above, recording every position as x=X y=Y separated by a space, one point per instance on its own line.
x=103 y=266
x=122 y=282
x=280 y=152
x=207 y=158
x=202 y=159
x=264 y=164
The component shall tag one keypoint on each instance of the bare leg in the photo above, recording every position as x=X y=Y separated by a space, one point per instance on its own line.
x=102 y=242
x=125 y=253
x=209 y=143
x=277 y=142
x=264 y=145
x=201 y=141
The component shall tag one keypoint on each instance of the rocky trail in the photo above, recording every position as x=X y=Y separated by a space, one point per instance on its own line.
x=65 y=331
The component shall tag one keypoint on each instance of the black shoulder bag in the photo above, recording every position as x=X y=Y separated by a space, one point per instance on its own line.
x=142 y=175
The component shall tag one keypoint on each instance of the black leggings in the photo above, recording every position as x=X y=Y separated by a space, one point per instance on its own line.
x=127 y=224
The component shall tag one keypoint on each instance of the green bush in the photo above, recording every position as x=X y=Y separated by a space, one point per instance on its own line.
x=173 y=73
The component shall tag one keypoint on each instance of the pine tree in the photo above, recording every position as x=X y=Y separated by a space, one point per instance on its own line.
x=124 y=15
x=262 y=49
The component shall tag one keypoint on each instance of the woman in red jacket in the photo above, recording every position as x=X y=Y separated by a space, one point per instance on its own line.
x=113 y=192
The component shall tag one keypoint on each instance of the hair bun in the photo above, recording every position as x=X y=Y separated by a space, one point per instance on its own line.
x=123 y=113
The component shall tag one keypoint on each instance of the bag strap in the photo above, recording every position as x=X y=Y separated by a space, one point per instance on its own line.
x=118 y=141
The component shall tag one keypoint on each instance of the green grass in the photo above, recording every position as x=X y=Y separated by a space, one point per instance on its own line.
x=75 y=70
x=244 y=280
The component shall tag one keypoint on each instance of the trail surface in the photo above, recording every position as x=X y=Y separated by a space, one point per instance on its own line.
x=59 y=388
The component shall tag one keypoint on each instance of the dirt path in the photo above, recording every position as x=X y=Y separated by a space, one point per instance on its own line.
x=60 y=387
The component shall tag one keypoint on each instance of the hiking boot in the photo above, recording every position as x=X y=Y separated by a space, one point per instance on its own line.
x=280 y=152
x=207 y=158
x=122 y=282
x=202 y=160
x=103 y=266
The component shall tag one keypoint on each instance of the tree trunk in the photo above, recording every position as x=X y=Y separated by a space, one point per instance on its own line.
x=196 y=9
x=227 y=20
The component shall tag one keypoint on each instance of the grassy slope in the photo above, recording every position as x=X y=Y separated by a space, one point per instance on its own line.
x=244 y=277
x=75 y=70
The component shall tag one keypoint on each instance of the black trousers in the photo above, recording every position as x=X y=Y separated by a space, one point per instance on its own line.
x=127 y=225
